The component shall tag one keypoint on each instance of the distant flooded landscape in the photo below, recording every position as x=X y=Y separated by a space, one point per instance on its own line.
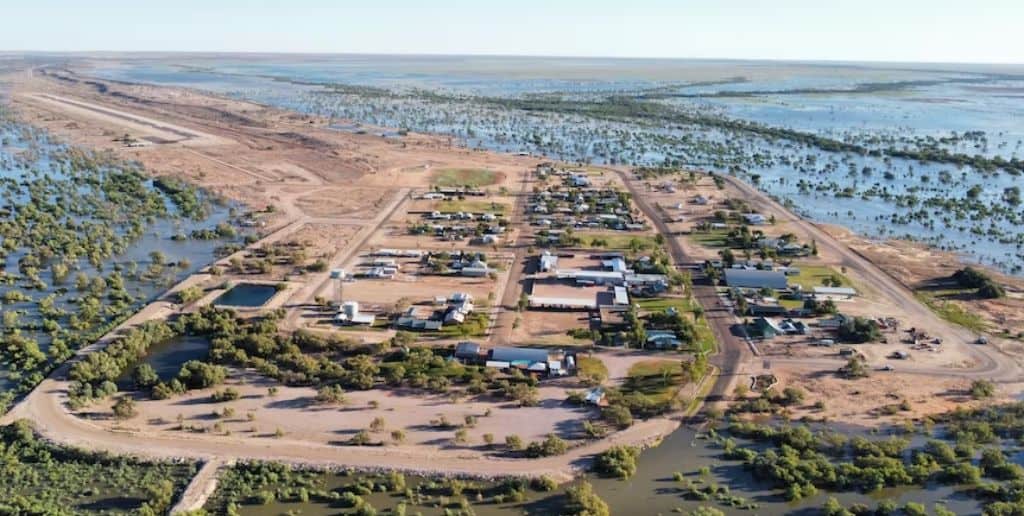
x=927 y=153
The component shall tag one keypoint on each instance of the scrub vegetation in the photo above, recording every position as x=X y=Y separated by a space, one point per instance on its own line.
x=69 y=272
x=41 y=478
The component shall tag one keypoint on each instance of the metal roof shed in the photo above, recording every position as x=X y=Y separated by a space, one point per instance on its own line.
x=741 y=278
x=529 y=355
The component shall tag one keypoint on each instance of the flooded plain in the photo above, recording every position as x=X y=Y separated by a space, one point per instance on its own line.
x=930 y=154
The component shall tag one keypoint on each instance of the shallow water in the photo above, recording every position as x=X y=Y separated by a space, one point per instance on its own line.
x=247 y=295
x=181 y=257
x=653 y=491
x=168 y=356
x=903 y=117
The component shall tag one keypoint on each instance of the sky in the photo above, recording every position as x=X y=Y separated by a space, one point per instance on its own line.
x=984 y=31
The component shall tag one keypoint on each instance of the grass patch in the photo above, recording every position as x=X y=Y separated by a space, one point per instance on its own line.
x=813 y=275
x=714 y=238
x=474 y=326
x=792 y=304
x=705 y=342
x=660 y=304
x=471 y=177
x=497 y=208
x=953 y=312
x=659 y=380
x=625 y=241
x=591 y=367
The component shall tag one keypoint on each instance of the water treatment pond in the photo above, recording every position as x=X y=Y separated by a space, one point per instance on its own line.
x=249 y=295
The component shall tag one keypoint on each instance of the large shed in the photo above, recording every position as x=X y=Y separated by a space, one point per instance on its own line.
x=745 y=278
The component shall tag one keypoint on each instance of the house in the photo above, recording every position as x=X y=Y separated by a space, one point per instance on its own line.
x=833 y=323
x=755 y=219
x=469 y=353
x=548 y=262
x=663 y=339
x=616 y=265
x=699 y=200
x=764 y=328
x=579 y=181
x=381 y=273
x=475 y=272
x=416 y=318
x=458 y=311
x=412 y=323
x=791 y=327
x=755 y=279
x=531 y=359
x=349 y=314
x=486 y=239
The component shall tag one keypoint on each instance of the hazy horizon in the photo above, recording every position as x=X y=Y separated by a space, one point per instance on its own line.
x=914 y=31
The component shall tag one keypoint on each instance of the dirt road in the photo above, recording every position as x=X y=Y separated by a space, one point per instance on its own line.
x=992 y=364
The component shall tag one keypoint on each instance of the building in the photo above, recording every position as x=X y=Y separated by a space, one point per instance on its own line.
x=646 y=280
x=833 y=323
x=791 y=327
x=563 y=303
x=548 y=262
x=412 y=323
x=475 y=272
x=621 y=297
x=834 y=291
x=767 y=309
x=531 y=359
x=764 y=328
x=663 y=339
x=754 y=219
x=469 y=353
x=586 y=277
x=350 y=314
x=616 y=264
x=418 y=319
x=755 y=279
x=382 y=273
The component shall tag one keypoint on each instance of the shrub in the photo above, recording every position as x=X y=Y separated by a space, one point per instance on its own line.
x=618 y=415
x=124 y=408
x=617 y=461
x=982 y=389
x=550 y=446
x=583 y=501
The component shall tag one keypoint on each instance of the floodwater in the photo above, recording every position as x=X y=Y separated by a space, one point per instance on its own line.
x=168 y=356
x=654 y=491
x=971 y=110
x=180 y=256
x=246 y=295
